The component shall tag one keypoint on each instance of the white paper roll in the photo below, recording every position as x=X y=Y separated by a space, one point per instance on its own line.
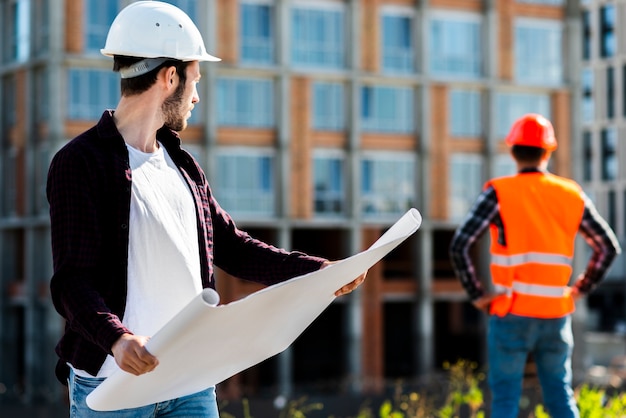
x=206 y=344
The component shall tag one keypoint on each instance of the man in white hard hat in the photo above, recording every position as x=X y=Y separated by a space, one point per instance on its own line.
x=136 y=231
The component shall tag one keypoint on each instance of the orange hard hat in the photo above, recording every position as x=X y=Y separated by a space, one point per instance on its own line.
x=532 y=130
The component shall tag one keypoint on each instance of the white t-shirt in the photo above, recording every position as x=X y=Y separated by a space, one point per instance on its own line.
x=163 y=255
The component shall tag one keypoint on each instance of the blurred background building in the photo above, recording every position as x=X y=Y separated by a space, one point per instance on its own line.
x=326 y=121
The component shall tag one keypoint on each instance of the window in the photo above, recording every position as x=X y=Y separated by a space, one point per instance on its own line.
x=91 y=91
x=610 y=93
x=329 y=187
x=547 y=2
x=387 y=183
x=8 y=116
x=387 y=109
x=608 y=154
x=607 y=31
x=15 y=31
x=511 y=106
x=8 y=175
x=41 y=35
x=535 y=65
x=624 y=90
x=98 y=18
x=329 y=106
x=505 y=165
x=245 y=181
x=397 y=41
x=41 y=165
x=586 y=31
x=245 y=102
x=9 y=185
x=587 y=102
x=187 y=6
x=466 y=182
x=257 y=33
x=398 y=345
x=41 y=95
x=317 y=35
x=611 y=203
x=587 y=156
x=455 y=45
x=465 y=113
x=621 y=236
x=13 y=268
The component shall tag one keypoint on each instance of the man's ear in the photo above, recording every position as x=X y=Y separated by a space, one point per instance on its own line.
x=169 y=76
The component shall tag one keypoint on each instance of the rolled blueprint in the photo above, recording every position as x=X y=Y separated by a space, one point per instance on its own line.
x=206 y=344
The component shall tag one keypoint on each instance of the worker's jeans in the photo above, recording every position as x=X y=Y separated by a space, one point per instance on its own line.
x=200 y=405
x=510 y=339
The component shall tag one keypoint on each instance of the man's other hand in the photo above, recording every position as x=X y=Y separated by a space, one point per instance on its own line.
x=350 y=286
x=131 y=355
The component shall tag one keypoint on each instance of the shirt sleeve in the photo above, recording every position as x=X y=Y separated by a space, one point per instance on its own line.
x=248 y=258
x=484 y=211
x=78 y=283
x=602 y=240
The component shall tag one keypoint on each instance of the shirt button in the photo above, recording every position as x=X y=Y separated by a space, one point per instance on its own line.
x=124 y=226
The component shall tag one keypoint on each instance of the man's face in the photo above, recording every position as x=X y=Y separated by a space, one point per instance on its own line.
x=178 y=106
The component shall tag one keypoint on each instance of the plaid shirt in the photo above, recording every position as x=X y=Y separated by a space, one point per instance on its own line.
x=89 y=190
x=486 y=211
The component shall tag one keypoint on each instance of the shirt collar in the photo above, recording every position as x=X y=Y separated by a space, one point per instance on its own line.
x=532 y=170
x=107 y=130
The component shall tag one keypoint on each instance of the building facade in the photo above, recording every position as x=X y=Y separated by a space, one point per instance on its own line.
x=324 y=123
x=602 y=116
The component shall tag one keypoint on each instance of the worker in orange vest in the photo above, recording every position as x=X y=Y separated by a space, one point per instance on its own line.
x=533 y=217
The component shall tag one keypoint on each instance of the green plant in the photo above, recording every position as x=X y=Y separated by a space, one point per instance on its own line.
x=463 y=398
x=298 y=408
x=595 y=403
x=245 y=405
x=540 y=412
x=463 y=390
x=411 y=405
x=388 y=411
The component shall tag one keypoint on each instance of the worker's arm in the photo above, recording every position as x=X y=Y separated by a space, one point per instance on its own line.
x=601 y=238
x=484 y=212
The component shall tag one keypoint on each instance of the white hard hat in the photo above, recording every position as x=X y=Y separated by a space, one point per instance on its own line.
x=154 y=29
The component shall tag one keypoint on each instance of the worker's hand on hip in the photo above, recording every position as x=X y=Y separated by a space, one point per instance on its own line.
x=483 y=302
x=574 y=293
x=131 y=355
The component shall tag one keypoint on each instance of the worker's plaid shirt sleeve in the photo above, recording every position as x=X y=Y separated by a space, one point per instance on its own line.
x=602 y=240
x=484 y=212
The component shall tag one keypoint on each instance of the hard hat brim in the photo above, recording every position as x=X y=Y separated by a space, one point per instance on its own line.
x=203 y=57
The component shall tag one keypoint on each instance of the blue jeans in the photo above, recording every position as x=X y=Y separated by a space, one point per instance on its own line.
x=509 y=341
x=202 y=404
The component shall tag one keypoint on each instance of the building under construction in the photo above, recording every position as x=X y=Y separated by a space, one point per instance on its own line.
x=324 y=123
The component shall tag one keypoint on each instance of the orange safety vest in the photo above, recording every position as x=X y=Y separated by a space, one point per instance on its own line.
x=541 y=214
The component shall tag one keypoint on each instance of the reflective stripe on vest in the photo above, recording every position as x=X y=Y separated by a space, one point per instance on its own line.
x=540 y=258
x=532 y=289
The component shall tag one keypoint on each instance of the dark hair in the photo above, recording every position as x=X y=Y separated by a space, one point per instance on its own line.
x=527 y=154
x=139 y=84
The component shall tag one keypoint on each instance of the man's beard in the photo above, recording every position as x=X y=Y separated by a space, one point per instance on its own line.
x=171 y=108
